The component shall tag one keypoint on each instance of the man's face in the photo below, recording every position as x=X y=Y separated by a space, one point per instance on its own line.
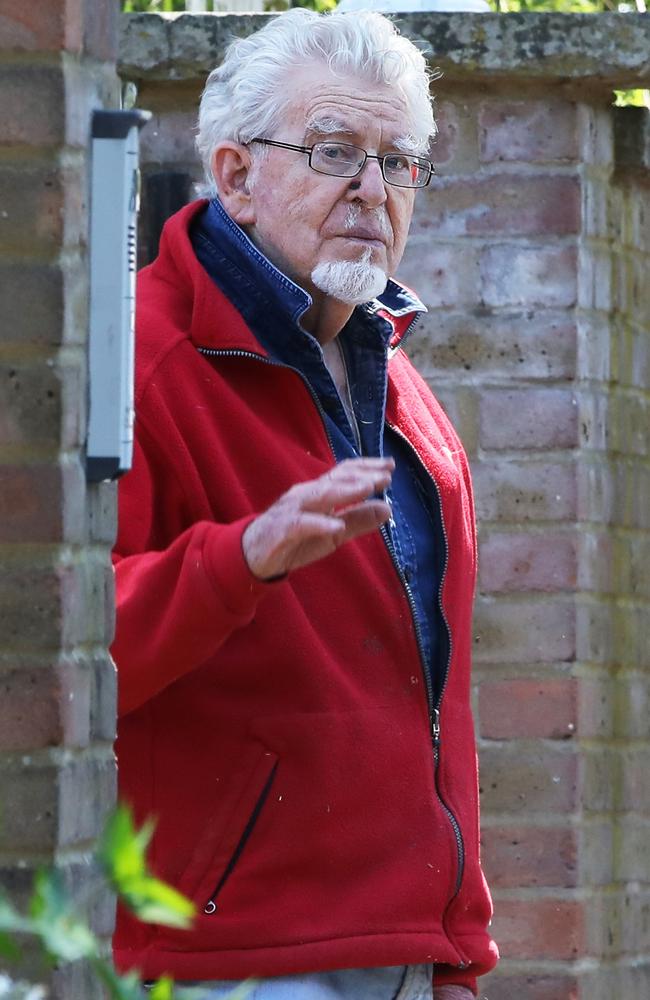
x=303 y=219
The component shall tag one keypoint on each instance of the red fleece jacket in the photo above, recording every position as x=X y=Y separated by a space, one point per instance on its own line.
x=279 y=733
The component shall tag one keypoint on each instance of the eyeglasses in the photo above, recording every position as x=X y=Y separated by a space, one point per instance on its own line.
x=342 y=160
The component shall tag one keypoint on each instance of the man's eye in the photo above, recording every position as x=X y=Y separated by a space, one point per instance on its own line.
x=397 y=164
x=332 y=152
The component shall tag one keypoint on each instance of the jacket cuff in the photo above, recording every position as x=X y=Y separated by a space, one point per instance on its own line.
x=237 y=587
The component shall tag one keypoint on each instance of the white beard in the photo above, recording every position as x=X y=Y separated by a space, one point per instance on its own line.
x=351 y=281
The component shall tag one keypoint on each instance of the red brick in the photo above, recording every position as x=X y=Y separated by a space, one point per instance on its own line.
x=635 y=921
x=88 y=787
x=595 y=279
x=54 y=804
x=528 y=709
x=514 y=562
x=596 y=851
x=47 y=604
x=600 y=779
x=508 y=631
x=528 y=419
x=103 y=697
x=632 y=706
x=34 y=27
x=539 y=928
x=596 y=491
x=595 y=632
x=526 y=856
x=42 y=502
x=529 y=131
x=33 y=105
x=537 y=345
x=596 y=707
x=102 y=513
x=516 y=275
x=519 y=780
x=42 y=404
x=168 y=138
x=44 y=706
x=524 y=491
x=593 y=418
x=42 y=208
x=632 y=855
x=100 y=28
x=594 y=346
x=445 y=145
x=635 y=790
x=538 y=985
x=507 y=204
x=596 y=555
x=595 y=134
x=445 y=275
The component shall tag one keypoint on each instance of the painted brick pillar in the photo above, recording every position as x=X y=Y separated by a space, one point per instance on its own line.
x=57 y=684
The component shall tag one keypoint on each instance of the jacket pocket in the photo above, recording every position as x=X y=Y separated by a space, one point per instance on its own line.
x=216 y=858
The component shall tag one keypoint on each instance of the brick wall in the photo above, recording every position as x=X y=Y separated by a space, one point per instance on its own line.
x=532 y=254
x=531 y=251
x=57 y=62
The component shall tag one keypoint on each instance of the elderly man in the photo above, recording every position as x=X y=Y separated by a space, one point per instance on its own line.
x=296 y=551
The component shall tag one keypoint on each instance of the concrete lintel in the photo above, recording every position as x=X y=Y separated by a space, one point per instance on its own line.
x=608 y=49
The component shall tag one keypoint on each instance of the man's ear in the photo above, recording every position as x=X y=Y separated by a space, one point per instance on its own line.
x=231 y=164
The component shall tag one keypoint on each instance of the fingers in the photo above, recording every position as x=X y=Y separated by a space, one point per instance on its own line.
x=363 y=518
x=346 y=484
x=312 y=519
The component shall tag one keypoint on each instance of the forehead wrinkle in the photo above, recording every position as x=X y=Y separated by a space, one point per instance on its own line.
x=349 y=115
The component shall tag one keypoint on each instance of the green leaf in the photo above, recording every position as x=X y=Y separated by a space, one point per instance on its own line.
x=163 y=989
x=632 y=98
x=8 y=948
x=121 y=850
x=11 y=919
x=122 y=854
x=155 y=902
x=68 y=939
x=64 y=936
x=49 y=899
x=126 y=987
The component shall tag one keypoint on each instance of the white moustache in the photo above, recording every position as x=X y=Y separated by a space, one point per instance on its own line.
x=375 y=218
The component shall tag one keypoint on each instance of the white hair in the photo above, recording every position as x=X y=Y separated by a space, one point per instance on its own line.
x=249 y=93
x=351 y=281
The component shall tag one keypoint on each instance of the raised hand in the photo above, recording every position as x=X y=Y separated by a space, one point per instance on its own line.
x=314 y=518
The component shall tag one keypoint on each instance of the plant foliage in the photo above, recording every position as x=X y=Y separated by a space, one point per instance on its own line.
x=54 y=919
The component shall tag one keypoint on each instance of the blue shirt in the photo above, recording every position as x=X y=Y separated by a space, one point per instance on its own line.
x=272 y=306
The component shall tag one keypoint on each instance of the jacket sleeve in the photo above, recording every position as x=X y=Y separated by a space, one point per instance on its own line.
x=176 y=603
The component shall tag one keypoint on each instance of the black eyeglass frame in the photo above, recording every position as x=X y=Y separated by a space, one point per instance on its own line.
x=421 y=161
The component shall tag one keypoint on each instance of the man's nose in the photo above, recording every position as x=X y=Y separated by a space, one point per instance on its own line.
x=370 y=185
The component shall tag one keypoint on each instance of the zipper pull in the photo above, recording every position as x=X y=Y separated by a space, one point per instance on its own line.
x=435 y=727
x=387 y=498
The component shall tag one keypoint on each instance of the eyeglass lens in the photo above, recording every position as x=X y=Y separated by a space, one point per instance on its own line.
x=344 y=160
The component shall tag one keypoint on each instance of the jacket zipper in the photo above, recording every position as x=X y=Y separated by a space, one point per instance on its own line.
x=434 y=710
x=211 y=905
x=232 y=352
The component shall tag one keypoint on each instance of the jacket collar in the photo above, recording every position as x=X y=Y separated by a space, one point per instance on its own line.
x=397 y=304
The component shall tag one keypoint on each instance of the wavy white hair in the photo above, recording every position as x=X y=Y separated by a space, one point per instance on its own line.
x=248 y=94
